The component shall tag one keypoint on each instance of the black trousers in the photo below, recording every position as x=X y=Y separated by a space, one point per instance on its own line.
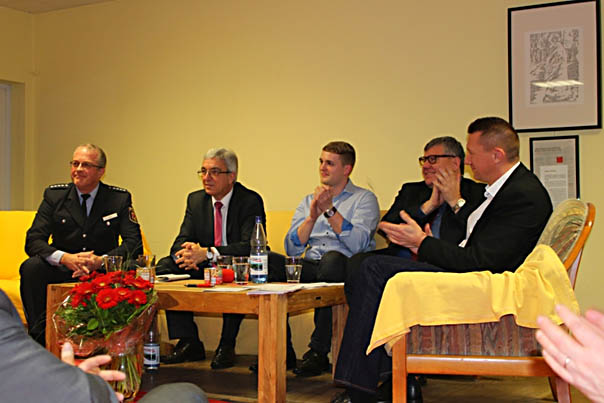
x=332 y=268
x=354 y=265
x=354 y=368
x=36 y=274
x=181 y=324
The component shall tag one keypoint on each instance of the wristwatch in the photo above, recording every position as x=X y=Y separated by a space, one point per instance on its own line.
x=209 y=254
x=460 y=203
x=330 y=212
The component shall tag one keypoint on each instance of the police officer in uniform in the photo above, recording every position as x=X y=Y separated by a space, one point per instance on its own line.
x=85 y=219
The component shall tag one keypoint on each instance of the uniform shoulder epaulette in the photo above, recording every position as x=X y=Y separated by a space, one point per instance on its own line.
x=59 y=186
x=118 y=189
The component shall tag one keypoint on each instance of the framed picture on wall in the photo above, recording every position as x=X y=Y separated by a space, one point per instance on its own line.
x=555 y=161
x=554 y=66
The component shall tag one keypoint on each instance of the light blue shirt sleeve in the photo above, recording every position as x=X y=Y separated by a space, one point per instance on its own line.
x=293 y=246
x=358 y=229
x=361 y=213
x=55 y=257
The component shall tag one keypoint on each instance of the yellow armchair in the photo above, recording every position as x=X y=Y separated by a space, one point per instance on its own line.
x=14 y=225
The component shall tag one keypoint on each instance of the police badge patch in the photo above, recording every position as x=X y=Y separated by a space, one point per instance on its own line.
x=132 y=215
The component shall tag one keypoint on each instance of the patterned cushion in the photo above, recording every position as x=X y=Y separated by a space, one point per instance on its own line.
x=503 y=338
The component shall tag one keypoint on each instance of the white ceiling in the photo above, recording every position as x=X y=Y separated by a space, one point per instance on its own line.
x=42 y=6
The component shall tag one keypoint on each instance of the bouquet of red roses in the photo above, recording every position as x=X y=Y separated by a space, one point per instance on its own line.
x=109 y=313
x=102 y=305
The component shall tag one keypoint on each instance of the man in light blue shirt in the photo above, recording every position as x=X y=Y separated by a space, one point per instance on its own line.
x=330 y=225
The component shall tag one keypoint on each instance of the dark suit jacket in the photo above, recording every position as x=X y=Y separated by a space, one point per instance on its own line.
x=453 y=226
x=60 y=215
x=30 y=373
x=198 y=224
x=505 y=234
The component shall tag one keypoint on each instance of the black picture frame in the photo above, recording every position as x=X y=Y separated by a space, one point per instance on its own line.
x=555 y=161
x=554 y=66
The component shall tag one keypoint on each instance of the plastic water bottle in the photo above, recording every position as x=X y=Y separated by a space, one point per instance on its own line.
x=258 y=254
x=151 y=347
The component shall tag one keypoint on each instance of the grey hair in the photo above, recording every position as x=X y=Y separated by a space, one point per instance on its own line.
x=101 y=157
x=228 y=156
x=451 y=146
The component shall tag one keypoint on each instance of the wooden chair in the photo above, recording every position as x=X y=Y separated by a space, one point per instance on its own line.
x=497 y=348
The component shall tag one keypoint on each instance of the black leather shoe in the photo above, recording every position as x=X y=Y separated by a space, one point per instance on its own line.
x=184 y=351
x=342 y=398
x=414 y=391
x=290 y=361
x=314 y=364
x=384 y=392
x=223 y=358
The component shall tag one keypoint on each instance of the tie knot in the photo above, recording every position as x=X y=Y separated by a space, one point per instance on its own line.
x=85 y=197
x=218 y=205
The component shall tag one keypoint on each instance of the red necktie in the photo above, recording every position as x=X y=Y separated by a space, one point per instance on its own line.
x=217 y=224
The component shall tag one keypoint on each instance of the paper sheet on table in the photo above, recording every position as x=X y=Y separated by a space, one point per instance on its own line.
x=281 y=288
x=274 y=289
x=227 y=289
x=173 y=277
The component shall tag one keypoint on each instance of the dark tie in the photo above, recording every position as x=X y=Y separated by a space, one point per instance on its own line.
x=218 y=224
x=84 y=209
x=436 y=221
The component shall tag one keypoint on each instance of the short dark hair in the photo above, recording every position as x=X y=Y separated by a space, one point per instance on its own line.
x=344 y=150
x=497 y=132
x=101 y=157
x=452 y=146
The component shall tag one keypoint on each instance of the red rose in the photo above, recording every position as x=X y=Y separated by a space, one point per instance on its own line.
x=138 y=282
x=102 y=281
x=88 y=277
x=122 y=293
x=76 y=300
x=83 y=290
x=137 y=297
x=107 y=298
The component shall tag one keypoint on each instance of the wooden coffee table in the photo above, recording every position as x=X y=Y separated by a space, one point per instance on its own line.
x=271 y=309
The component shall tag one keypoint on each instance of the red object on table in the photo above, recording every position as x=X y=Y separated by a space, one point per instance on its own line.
x=228 y=275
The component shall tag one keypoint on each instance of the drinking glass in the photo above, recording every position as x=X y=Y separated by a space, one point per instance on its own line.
x=145 y=260
x=113 y=263
x=241 y=267
x=146 y=267
x=293 y=268
x=224 y=263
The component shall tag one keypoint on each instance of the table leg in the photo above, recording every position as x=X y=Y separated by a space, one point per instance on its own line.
x=272 y=317
x=339 y=315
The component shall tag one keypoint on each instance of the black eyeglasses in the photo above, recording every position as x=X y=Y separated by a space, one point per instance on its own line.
x=433 y=158
x=214 y=172
x=84 y=165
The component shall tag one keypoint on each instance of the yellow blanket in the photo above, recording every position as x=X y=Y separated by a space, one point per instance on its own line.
x=428 y=299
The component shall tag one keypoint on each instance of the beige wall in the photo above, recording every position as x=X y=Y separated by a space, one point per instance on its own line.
x=158 y=82
x=17 y=70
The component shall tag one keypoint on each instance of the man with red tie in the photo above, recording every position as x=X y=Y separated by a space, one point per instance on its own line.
x=220 y=218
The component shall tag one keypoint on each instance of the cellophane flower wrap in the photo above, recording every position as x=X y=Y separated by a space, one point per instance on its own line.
x=109 y=313
x=106 y=312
